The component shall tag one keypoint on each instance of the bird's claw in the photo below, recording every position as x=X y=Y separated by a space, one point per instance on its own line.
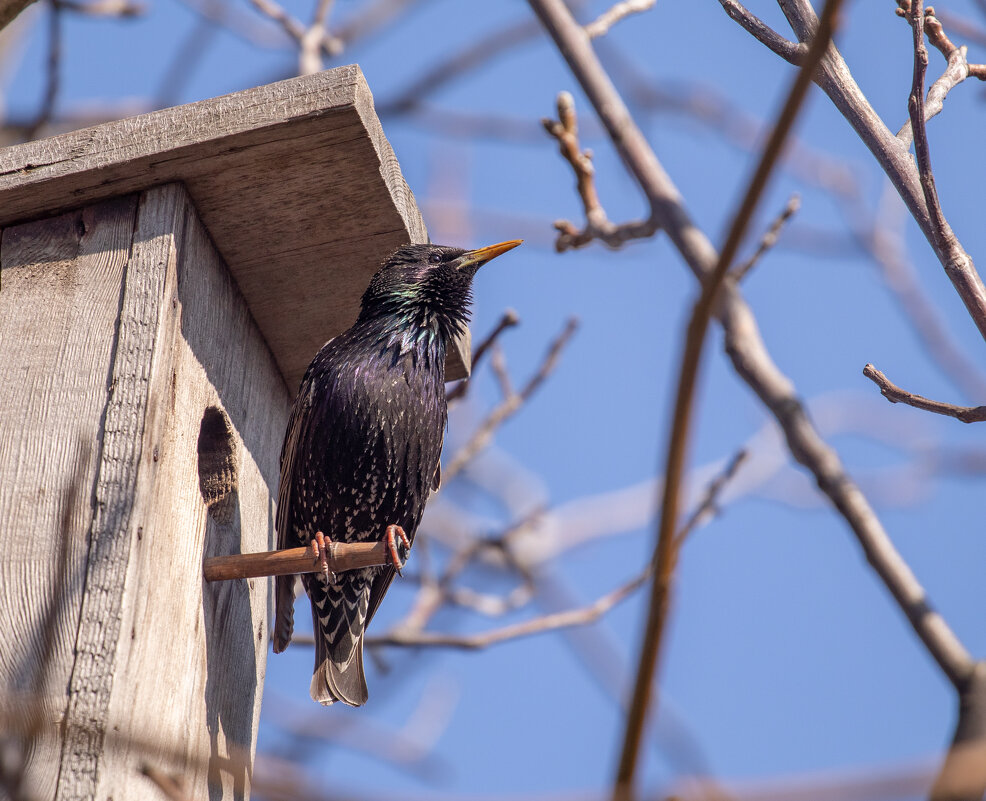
x=320 y=550
x=398 y=545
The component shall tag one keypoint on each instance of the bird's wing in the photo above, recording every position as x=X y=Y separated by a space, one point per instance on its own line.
x=381 y=583
x=437 y=483
x=298 y=424
x=289 y=452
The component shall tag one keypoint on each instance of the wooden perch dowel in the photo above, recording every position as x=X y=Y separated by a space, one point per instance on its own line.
x=342 y=556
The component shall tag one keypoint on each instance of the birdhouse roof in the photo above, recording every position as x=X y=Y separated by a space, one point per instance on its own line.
x=295 y=182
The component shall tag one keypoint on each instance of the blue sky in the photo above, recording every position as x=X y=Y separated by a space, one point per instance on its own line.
x=785 y=654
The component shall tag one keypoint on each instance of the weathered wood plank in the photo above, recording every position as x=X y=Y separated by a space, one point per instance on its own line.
x=295 y=181
x=59 y=303
x=183 y=409
x=91 y=683
x=192 y=657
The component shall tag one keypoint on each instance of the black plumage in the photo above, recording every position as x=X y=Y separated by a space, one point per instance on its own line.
x=363 y=442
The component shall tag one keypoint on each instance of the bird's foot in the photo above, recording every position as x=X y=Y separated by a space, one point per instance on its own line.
x=320 y=551
x=399 y=545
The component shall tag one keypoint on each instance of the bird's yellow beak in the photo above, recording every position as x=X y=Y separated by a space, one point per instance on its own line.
x=477 y=258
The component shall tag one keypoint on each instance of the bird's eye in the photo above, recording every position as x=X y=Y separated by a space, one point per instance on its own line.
x=435 y=258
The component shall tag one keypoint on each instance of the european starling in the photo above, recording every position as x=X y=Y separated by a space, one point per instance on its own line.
x=361 y=451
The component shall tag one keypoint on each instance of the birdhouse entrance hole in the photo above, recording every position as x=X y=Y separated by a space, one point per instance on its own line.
x=217 y=464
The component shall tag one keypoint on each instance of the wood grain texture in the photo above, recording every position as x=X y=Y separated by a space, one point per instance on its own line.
x=191 y=657
x=141 y=427
x=295 y=181
x=91 y=682
x=61 y=289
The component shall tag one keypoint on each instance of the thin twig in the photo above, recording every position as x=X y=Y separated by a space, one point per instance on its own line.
x=460 y=63
x=235 y=19
x=315 y=38
x=791 y=52
x=104 y=8
x=963 y=27
x=665 y=551
x=707 y=506
x=597 y=224
x=436 y=593
x=881 y=236
x=895 y=394
x=509 y=319
x=292 y=26
x=935 y=32
x=574 y=617
x=769 y=239
x=509 y=406
x=618 y=11
x=371 y=18
x=412 y=635
x=498 y=364
x=915 y=110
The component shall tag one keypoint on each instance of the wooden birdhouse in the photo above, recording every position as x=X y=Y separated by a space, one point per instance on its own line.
x=164 y=282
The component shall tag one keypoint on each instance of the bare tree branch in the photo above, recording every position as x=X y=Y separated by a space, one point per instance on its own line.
x=962 y=27
x=574 y=617
x=665 y=555
x=234 y=18
x=601 y=25
x=835 y=79
x=508 y=319
x=776 y=392
x=597 y=224
x=707 y=506
x=894 y=394
x=104 y=8
x=763 y=33
x=371 y=18
x=769 y=239
x=10 y=9
x=509 y=406
x=941 y=230
x=744 y=345
x=298 y=32
x=457 y=65
x=963 y=773
x=315 y=38
x=935 y=32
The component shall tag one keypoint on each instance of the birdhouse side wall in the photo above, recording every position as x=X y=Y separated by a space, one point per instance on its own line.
x=192 y=657
x=60 y=289
x=143 y=431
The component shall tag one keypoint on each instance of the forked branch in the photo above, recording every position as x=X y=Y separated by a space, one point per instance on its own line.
x=597 y=224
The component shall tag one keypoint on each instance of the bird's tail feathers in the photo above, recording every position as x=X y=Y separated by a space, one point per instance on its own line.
x=339 y=623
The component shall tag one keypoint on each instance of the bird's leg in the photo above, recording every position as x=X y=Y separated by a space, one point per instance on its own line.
x=395 y=533
x=320 y=549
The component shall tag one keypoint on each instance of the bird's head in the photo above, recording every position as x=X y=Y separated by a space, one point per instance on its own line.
x=427 y=286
